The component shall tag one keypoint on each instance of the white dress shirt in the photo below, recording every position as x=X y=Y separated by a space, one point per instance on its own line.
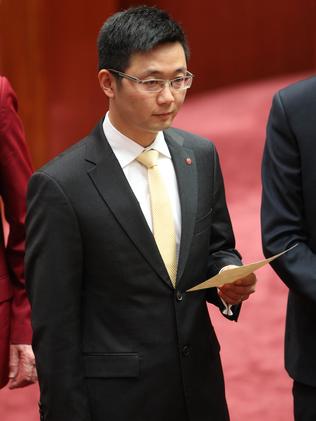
x=126 y=151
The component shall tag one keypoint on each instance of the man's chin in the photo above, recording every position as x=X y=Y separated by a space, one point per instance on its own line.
x=164 y=124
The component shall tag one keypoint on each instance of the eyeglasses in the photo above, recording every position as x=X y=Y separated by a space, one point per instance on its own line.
x=180 y=83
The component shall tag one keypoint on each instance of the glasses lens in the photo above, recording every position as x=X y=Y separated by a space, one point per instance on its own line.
x=188 y=81
x=152 y=85
x=156 y=85
x=182 y=82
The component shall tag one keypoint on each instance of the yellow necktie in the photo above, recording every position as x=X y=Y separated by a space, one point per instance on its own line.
x=163 y=223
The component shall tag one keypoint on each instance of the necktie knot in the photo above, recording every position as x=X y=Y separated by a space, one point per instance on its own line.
x=148 y=158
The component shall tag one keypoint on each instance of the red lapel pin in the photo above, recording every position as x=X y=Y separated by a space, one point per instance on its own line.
x=188 y=161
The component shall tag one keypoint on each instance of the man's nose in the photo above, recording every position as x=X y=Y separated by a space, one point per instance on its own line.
x=166 y=94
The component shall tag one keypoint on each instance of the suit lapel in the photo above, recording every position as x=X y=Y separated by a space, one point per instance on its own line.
x=185 y=168
x=111 y=183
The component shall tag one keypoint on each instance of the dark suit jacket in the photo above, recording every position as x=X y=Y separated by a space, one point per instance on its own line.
x=289 y=215
x=15 y=171
x=113 y=340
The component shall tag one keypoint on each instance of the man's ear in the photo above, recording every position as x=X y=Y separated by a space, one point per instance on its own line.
x=107 y=82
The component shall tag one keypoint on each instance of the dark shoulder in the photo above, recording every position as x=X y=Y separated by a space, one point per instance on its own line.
x=190 y=140
x=298 y=93
x=67 y=163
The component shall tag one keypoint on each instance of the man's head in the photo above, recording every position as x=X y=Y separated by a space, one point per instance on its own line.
x=136 y=30
x=143 y=71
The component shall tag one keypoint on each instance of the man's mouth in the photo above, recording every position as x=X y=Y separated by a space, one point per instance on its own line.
x=167 y=114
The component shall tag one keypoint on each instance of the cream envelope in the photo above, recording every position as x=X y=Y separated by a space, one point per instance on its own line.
x=231 y=275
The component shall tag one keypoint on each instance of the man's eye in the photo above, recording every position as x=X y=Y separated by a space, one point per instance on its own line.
x=151 y=83
x=178 y=81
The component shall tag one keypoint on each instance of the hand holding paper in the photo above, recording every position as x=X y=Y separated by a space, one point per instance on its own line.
x=233 y=274
x=238 y=291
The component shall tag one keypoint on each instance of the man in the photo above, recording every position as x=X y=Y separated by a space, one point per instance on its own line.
x=288 y=218
x=16 y=355
x=116 y=336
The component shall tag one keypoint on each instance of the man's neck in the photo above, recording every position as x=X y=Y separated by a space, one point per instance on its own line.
x=142 y=139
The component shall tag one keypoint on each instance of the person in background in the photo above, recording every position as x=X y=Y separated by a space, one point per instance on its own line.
x=17 y=364
x=119 y=227
x=288 y=218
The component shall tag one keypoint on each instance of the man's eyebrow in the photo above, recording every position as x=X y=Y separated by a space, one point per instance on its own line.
x=158 y=73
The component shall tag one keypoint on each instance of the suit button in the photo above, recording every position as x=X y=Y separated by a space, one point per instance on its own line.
x=179 y=296
x=186 y=350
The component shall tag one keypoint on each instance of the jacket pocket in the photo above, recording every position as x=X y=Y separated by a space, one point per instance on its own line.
x=112 y=365
x=203 y=223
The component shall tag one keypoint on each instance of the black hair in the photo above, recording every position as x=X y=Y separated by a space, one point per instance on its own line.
x=136 y=30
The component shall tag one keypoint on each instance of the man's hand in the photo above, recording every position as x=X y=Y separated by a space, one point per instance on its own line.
x=239 y=290
x=22 y=370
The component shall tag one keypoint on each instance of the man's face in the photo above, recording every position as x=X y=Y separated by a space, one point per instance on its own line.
x=138 y=114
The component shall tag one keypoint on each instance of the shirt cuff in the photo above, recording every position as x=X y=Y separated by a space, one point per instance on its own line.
x=228 y=308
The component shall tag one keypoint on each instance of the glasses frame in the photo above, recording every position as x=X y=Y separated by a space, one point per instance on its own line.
x=163 y=82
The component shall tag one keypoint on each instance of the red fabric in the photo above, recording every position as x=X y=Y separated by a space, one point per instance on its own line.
x=5 y=310
x=15 y=170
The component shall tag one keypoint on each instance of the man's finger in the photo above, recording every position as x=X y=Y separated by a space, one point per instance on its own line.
x=13 y=361
x=24 y=364
x=247 y=281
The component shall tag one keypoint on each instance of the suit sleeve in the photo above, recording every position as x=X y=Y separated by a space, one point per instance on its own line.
x=222 y=250
x=15 y=171
x=54 y=282
x=282 y=210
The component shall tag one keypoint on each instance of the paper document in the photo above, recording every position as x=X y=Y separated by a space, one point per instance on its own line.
x=231 y=275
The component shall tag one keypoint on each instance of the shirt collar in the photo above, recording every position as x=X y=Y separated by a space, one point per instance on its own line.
x=125 y=149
